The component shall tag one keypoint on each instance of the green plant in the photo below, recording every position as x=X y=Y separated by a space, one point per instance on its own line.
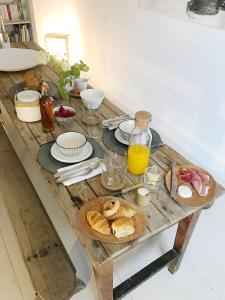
x=66 y=76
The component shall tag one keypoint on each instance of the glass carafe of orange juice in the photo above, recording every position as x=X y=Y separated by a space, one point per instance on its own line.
x=140 y=144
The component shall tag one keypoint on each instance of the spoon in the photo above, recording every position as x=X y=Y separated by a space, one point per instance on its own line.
x=86 y=171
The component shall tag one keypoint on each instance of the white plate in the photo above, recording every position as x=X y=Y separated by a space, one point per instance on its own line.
x=58 y=155
x=119 y=137
x=16 y=59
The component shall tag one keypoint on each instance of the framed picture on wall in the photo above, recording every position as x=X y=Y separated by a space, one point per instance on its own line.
x=205 y=12
x=58 y=45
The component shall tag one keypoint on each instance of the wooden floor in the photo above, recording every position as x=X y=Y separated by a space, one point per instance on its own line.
x=33 y=261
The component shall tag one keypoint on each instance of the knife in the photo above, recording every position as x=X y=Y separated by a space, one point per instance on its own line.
x=173 y=180
x=126 y=190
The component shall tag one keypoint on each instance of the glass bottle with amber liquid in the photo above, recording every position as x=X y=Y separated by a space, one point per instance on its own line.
x=140 y=144
x=46 y=107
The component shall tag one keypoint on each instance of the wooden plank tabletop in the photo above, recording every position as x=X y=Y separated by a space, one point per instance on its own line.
x=161 y=213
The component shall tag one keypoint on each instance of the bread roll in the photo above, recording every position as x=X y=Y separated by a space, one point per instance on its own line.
x=123 y=227
x=110 y=207
x=123 y=211
x=98 y=222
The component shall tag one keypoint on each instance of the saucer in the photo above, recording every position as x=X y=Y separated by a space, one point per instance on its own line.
x=120 y=138
x=58 y=155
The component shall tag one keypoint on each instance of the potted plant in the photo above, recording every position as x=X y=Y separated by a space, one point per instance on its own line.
x=67 y=76
x=67 y=73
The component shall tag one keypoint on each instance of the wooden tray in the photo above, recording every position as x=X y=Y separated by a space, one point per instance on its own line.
x=139 y=219
x=195 y=200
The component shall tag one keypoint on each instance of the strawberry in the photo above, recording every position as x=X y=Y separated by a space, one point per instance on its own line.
x=61 y=109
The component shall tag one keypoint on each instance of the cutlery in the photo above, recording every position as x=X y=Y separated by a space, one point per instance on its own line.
x=75 y=168
x=113 y=121
x=173 y=180
x=85 y=171
x=126 y=190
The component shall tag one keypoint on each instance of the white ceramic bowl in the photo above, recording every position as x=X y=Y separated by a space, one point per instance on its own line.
x=64 y=119
x=81 y=83
x=71 y=143
x=92 y=98
x=125 y=128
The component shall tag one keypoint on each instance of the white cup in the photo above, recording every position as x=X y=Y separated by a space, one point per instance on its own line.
x=81 y=83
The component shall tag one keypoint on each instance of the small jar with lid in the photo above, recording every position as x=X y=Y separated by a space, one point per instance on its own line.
x=140 y=144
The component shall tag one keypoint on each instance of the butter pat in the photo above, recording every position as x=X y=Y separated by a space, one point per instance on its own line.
x=184 y=191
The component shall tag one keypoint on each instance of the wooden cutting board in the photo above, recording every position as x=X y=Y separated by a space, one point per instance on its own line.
x=196 y=200
x=139 y=220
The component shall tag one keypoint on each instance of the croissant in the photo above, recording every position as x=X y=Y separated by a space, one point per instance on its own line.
x=123 y=211
x=98 y=222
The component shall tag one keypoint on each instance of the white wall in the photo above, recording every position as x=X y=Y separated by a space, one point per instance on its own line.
x=174 y=69
x=58 y=17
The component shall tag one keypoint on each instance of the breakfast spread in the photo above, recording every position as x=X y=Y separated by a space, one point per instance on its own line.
x=114 y=217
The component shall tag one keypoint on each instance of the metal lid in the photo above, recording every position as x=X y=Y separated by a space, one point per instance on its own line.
x=28 y=96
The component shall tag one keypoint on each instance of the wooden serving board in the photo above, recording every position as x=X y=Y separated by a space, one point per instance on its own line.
x=196 y=200
x=139 y=220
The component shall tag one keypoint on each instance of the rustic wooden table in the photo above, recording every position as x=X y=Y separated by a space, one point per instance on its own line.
x=162 y=213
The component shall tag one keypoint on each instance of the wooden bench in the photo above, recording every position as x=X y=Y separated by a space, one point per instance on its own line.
x=49 y=266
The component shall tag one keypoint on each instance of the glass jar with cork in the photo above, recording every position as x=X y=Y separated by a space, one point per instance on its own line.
x=140 y=144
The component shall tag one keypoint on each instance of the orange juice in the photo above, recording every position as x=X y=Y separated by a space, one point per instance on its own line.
x=138 y=159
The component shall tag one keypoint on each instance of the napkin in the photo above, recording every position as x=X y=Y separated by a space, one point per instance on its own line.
x=77 y=179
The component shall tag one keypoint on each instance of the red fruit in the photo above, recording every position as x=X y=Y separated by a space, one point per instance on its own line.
x=64 y=113
x=61 y=109
x=72 y=113
x=57 y=114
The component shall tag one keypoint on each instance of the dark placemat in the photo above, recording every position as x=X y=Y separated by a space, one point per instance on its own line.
x=50 y=164
x=112 y=144
x=19 y=87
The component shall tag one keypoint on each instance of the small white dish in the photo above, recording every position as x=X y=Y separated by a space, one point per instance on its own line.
x=64 y=119
x=71 y=143
x=125 y=128
x=120 y=138
x=85 y=153
x=92 y=98
x=81 y=83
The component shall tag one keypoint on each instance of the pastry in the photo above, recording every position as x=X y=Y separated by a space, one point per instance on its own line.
x=110 y=207
x=98 y=222
x=32 y=80
x=123 y=211
x=123 y=227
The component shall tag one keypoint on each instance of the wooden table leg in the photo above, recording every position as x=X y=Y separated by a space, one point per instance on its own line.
x=104 y=280
x=183 y=236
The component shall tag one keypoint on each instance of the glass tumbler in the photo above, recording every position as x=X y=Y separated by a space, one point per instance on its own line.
x=153 y=181
x=113 y=178
x=92 y=118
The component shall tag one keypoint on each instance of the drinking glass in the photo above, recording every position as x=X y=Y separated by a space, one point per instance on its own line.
x=153 y=181
x=92 y=118
x=113 y=178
